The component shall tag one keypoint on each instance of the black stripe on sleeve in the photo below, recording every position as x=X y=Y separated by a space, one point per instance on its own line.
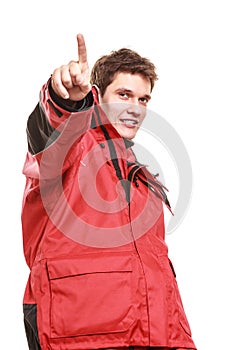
x=39 y=132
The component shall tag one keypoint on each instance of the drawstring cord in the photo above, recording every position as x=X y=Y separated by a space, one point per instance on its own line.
x=154 y=185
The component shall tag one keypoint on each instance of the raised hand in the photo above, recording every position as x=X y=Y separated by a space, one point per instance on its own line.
x=73 y=79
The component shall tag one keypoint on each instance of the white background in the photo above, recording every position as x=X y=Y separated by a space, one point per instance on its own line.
x=191 y=44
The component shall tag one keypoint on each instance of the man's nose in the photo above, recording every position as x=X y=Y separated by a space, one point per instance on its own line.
x=134 y=108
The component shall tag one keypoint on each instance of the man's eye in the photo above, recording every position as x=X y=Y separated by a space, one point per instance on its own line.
x=144 y=100
x=123 y=94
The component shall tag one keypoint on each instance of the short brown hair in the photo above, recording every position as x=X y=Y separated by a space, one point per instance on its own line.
x=124 y=61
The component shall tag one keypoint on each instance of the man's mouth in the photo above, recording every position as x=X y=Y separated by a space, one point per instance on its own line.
x=129 y=122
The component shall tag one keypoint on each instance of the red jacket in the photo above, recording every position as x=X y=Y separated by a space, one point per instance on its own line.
x=93 y=230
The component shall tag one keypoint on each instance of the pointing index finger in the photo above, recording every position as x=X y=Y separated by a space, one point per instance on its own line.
x=82 y=51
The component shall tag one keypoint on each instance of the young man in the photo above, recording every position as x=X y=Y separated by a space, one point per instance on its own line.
x=92 y=216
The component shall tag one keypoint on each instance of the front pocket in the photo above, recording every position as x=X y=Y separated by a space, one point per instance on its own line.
x=91 y=294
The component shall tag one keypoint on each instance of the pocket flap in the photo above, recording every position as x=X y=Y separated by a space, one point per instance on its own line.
x=89 y=263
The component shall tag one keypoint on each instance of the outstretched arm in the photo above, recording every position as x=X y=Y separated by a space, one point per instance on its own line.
x=68 y=91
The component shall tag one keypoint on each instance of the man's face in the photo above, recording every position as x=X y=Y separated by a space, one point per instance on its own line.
x=125 y=101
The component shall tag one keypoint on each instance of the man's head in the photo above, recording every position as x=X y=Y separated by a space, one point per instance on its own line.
x=124 y=81
x=124 y=61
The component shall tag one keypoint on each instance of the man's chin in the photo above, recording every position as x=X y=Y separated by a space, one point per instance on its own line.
x=127 y=134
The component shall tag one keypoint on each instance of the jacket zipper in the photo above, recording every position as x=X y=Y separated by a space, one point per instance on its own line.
x=131 y=176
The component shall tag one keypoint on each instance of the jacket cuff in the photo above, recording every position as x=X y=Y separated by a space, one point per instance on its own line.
x=69 y=105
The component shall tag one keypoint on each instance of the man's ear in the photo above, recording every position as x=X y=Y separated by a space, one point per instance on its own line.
x=96 y=92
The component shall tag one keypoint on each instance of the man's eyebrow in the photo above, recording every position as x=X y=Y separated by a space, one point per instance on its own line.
x=131 y=92
x=124 y=90
x=148 y=97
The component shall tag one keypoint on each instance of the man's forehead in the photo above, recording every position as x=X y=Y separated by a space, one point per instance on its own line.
x=130 y=82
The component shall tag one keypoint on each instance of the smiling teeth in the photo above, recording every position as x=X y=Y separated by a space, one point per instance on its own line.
x=130 y=122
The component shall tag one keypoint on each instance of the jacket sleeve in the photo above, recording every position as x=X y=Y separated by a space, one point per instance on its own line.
x=50 y=113
x=53 y=129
